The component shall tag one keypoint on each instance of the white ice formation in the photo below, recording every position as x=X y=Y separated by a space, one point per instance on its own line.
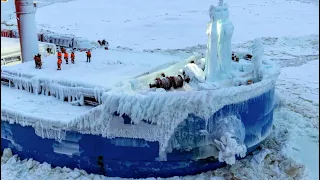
x=228 y=148
x=220 y=30
x=165 y=111
x=194 y=72
x=257 y=53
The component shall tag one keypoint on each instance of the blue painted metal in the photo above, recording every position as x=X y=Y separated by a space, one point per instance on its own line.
x=137 y=158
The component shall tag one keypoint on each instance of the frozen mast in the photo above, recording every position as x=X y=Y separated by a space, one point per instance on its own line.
x=220 y=30
x=25 y=10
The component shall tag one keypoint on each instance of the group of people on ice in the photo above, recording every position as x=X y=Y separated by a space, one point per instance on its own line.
x=65 y=56
x=63 y=51
x=72 y=56
x=38 y=62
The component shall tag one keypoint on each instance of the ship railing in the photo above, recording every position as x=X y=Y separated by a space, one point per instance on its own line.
x=89 y=98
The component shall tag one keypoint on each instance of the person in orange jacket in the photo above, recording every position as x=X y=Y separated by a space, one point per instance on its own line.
x=72 y=57
x=59 y=63
x=63 y=50
x=88 y=56
x=59 y=55
x=66 y=57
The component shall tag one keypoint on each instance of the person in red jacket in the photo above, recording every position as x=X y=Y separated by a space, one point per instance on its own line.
x=59 y=55
x=66 y=57
x=72 y=57
x=37 y=60
x=63 y=50
x=39 y=63
x=88 y=56
x=59 y=63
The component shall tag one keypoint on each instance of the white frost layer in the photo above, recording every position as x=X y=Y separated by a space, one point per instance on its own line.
x=257 y=53
x=165 y=109
x=169 y=109
x=11 y=47
x=228 y=148
x=194 y=72
x=107 y=68
x=269 y=164
x=40 y=106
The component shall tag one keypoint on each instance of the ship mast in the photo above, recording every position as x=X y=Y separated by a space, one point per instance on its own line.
x=218 y=55
x=25 y=10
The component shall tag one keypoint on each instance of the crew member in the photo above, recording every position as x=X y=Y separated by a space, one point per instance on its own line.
x=66 y=58
x=59 y=55
x=72 y=57
x=88 y=56
x=63 y=50
x=59 y=63
x=35 y=60
x=38 y=62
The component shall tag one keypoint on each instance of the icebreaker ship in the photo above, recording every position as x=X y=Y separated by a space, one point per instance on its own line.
x=104 y=118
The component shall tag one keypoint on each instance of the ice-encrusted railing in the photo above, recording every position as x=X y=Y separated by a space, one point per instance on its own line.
x=62 y=89
x=52 y=128
x=164 y=109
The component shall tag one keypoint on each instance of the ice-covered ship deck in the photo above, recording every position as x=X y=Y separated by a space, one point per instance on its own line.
x=107 y=68
x=84 y=81
x=39 y=106
x=173 y=128
x=10 y=50
x=198 y=115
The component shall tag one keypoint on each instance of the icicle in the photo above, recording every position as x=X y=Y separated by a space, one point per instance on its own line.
x=42 y=90
x=61 y=94
x=95 y=93
x=98 y=95
x=81 y=100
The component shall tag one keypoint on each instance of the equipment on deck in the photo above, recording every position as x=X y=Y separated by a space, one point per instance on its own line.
x=168 y=82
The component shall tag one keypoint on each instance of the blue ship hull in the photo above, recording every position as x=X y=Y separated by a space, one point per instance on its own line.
x=137 y=158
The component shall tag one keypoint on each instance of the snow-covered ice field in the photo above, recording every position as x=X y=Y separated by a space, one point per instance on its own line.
x=289 y=29
x=171 y=24
x=175 y=24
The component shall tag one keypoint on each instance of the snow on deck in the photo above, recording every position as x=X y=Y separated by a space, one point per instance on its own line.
x=11 y=47
x=107 y=68
x=39 y=106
